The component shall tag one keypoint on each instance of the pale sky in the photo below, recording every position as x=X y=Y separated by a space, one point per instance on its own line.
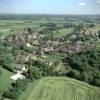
x=50 y=6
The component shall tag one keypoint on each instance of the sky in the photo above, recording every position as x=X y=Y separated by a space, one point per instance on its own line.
x=50 y=6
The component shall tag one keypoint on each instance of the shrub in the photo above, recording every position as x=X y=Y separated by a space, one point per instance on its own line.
x=11 y=93
x=74 y=73
x=16 y=89
x=0 y=71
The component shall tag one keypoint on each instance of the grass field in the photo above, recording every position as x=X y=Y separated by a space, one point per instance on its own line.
x=8 y=27
x=62 y=88
x=62 y=32
x=5 y=80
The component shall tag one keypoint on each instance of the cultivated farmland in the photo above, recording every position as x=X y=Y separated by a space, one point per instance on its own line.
x=53 y=88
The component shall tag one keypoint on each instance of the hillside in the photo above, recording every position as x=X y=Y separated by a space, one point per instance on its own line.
x=56 y=88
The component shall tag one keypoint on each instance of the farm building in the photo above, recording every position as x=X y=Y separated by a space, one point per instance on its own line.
x=17 y=76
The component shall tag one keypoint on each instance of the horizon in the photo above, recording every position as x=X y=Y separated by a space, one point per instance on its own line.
x=49 y=14
x=50 y=7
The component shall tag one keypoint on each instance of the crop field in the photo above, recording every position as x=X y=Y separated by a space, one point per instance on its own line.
x=62 y=32
x=8 y=27
x=53 y=88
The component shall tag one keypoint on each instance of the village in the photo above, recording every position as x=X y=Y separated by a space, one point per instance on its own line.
x=35 y=46
x=32 y=50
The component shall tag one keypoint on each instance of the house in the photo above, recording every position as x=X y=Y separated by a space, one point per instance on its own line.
x=43 y=56
x=21 y=69
x=24 y=69
x=17 y=76
x=50 y=63
x=48 y=49
x=28 y=45
x=73 y=36
x=34 y=57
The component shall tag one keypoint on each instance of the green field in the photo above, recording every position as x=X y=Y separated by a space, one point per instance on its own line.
x=62 y=88
x=62 y=32
x=5 y=80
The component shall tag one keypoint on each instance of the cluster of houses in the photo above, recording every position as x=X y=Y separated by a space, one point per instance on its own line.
x=91 y=33
x=25 y=37
x=70 y=48
x=36 y=39
x=30 y=40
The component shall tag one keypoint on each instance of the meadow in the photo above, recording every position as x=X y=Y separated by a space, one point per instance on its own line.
x=5 y=80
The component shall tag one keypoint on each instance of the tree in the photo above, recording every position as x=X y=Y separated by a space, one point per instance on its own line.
x=0 y=70
x=74 y=73
x=96 y=82
x=22 y=84
x=16 y=88
x=33 y=72
x=85 y=66
x=99 y=34
x=6 y=61
x=11 y=93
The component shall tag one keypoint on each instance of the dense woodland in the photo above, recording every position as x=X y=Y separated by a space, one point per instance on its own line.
x=85 y=66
